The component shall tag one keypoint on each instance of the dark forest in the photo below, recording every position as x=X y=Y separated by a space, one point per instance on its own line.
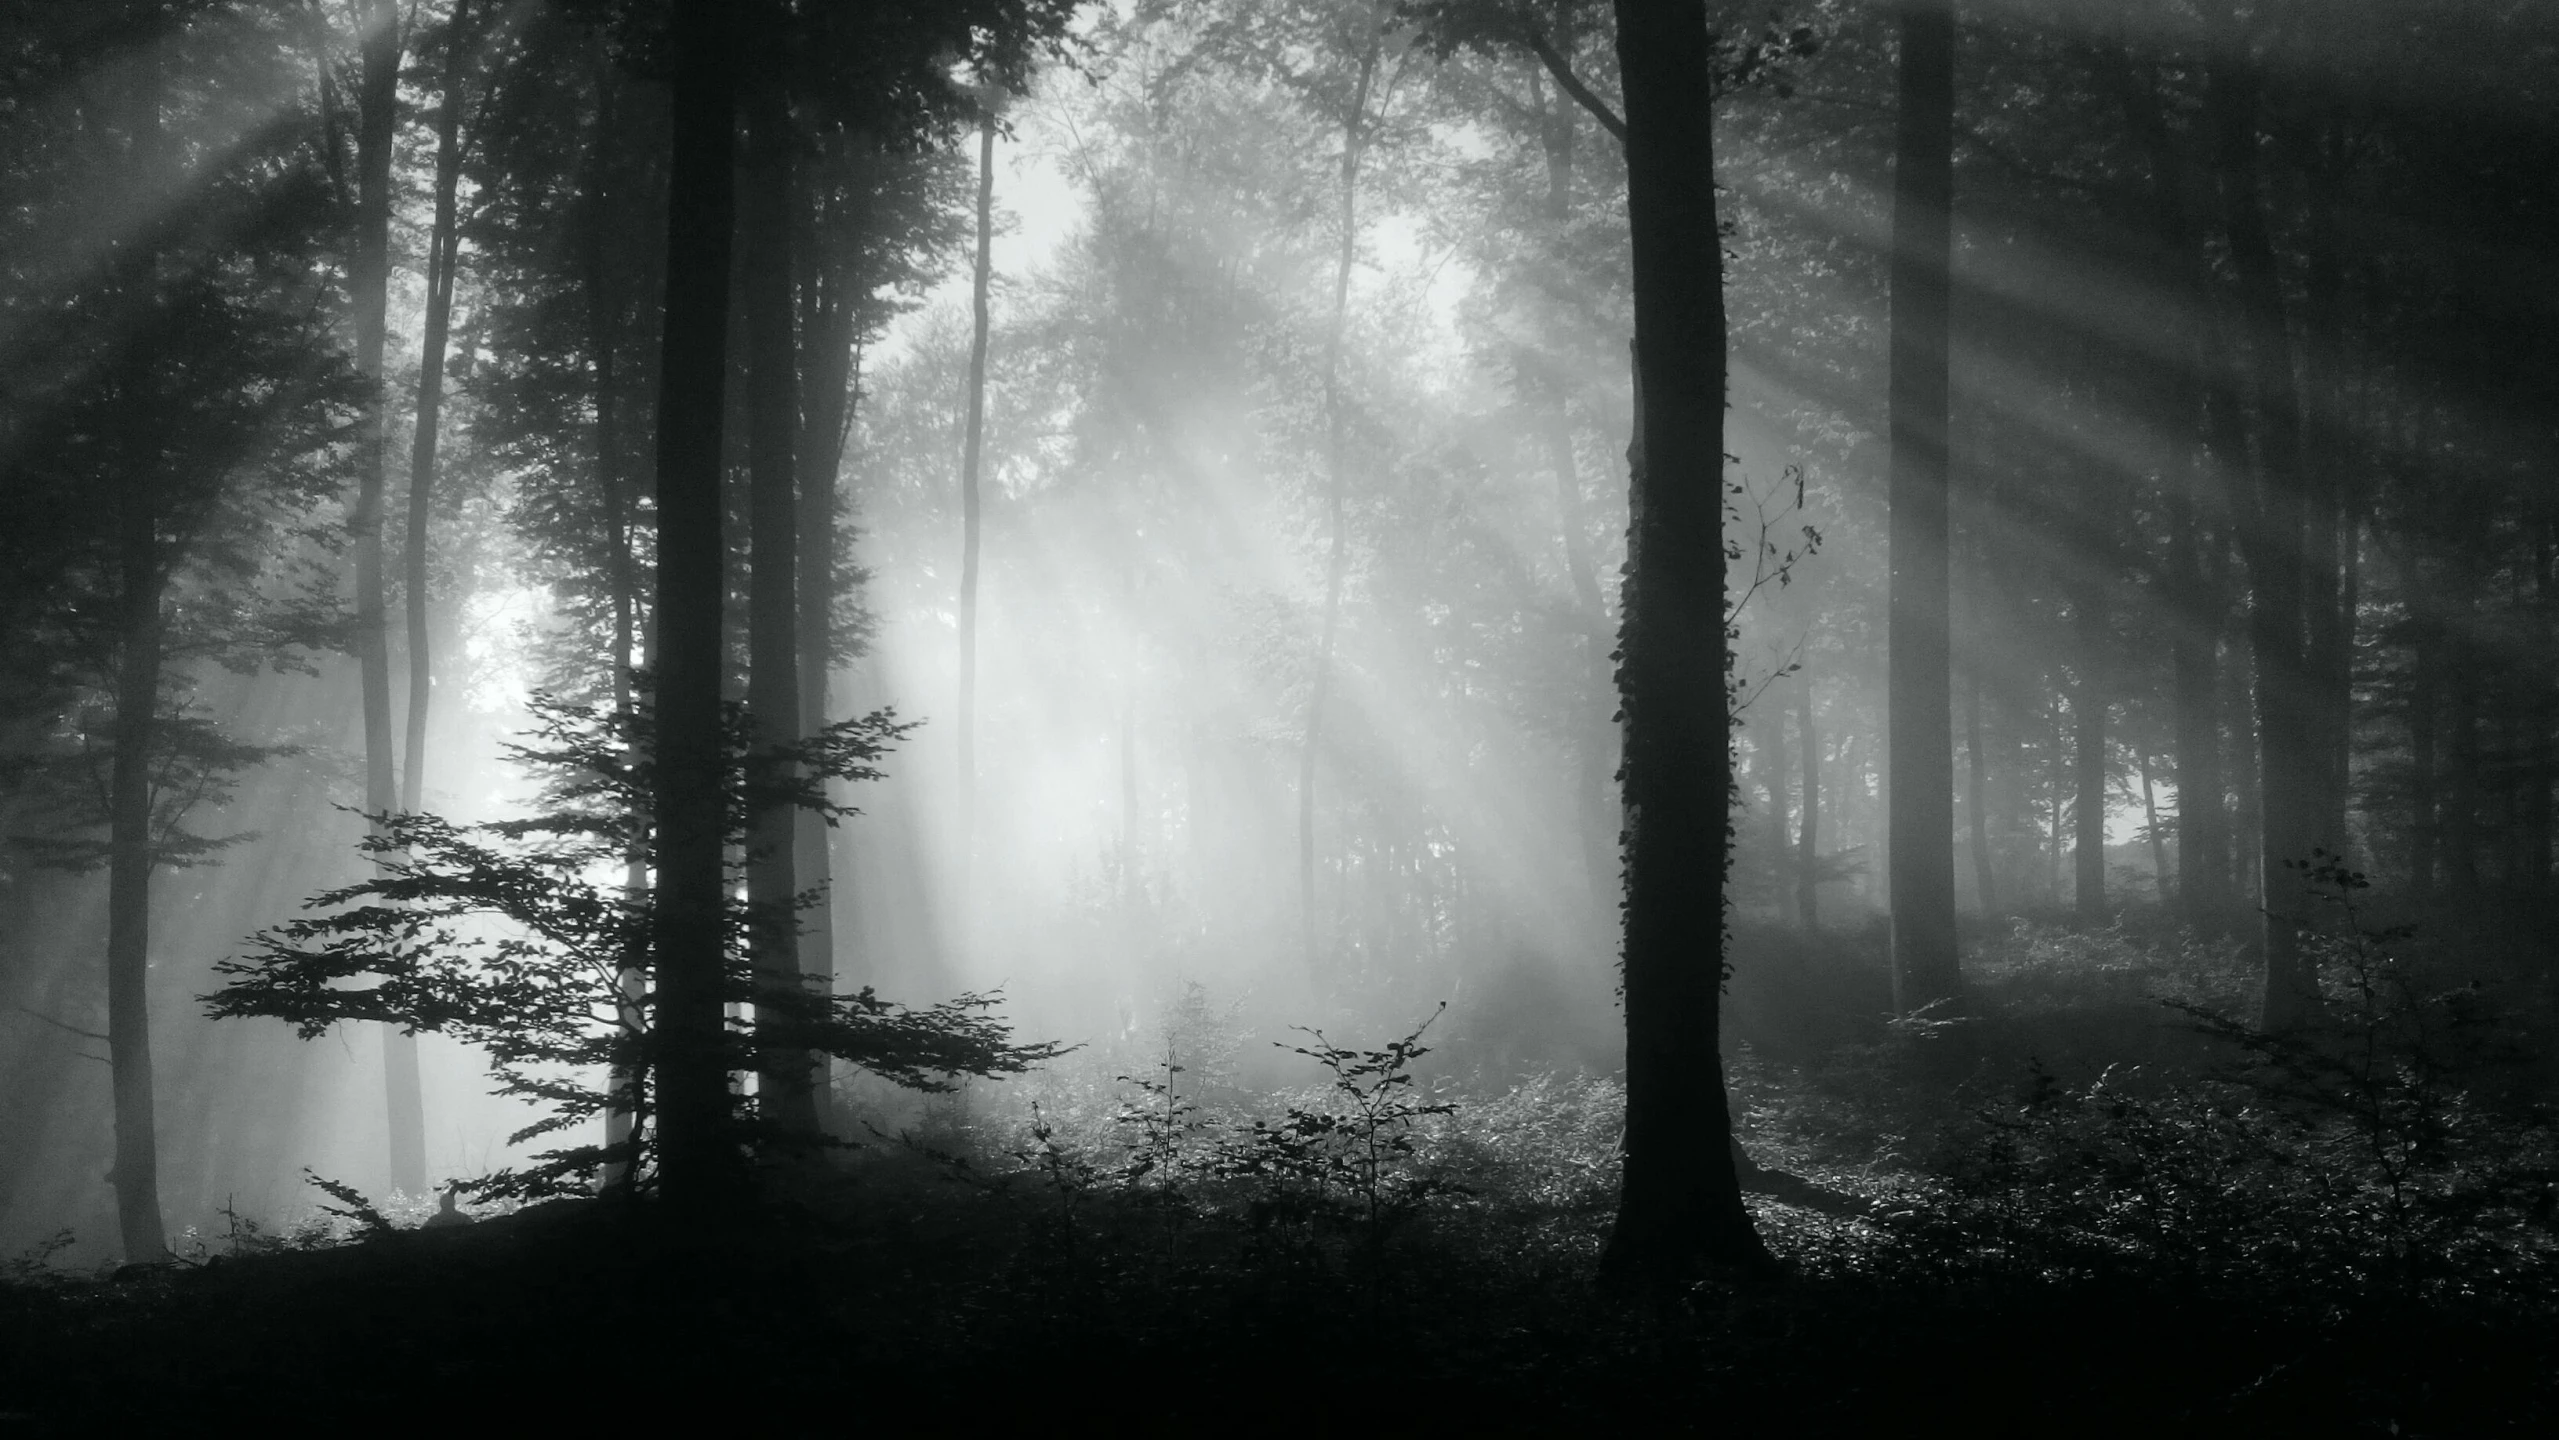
x=1835 y=716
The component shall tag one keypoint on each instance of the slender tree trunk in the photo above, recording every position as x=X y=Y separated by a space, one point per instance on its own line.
x=1921 y=764
x=2088 y=751
x=376 y=116
x=699 y=1166
x=1337 y=559
x=2271 y=537
x=828 y=369
x=2329 y=621
x=141 y=575
x=613 y=486
x=2150 y=824
x=129 y=864
x=1596 y=739
x=2060 y=782
x=1808 y=833
x=1977 y=802
x=786 y=1080
x=1679 y=1208
x=1772 y=757
x=443 y=245
x=2197 y=608
x=970 y=458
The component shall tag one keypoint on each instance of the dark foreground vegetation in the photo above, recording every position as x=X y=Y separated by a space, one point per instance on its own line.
x=2081 y=1203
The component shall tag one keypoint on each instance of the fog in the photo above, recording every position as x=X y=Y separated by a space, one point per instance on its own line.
x=1293 y=619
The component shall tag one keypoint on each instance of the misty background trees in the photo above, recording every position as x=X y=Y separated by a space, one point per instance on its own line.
x=1217 y=424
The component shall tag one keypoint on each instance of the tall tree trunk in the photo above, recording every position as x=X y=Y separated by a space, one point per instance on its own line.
x=1595 y=743
x=2330 y=526
x=786 y=1079
x=443 y=246
x=2197 y=608
x=141 y=575
x=828 y=370
x=1773 y=777
x=377 y=103
x=1337 y=558
x=1920 y=731
x=129 y=864
x=2271 y=539
x=699 y=1166
x=2150 y=827
x=2088 y=753
x=614 y=486
x=1679 y=1207
x=972 y=454
x=1808 y=833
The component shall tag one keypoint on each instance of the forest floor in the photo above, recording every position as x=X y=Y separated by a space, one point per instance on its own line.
x=1987 y=1228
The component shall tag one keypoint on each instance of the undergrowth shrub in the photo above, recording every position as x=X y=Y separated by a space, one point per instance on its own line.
x=2351 y=1158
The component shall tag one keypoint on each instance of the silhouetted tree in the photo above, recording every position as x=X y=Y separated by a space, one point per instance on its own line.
x=1681 y=1206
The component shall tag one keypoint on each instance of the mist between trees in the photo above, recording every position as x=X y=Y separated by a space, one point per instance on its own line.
x=1874 y=646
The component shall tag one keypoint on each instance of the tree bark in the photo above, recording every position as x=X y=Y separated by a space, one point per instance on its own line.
x=786 y=1081
x=1679 y=1208
x=1920 y=764
x=377 y=102
x=699 y=1167
x=1337 y=558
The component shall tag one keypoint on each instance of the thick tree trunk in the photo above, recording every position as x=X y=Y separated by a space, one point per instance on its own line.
x=1680 y=1208
x=2088 y=761
x=1919 y=731
x=1808 y=832
x=699 y=1166
x=1337 y=557
x=786 y=1078
x=376 y=116
x=971 y=455
x=2271 y=538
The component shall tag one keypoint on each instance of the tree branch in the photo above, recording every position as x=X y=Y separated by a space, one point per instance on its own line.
x=1571 y=84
